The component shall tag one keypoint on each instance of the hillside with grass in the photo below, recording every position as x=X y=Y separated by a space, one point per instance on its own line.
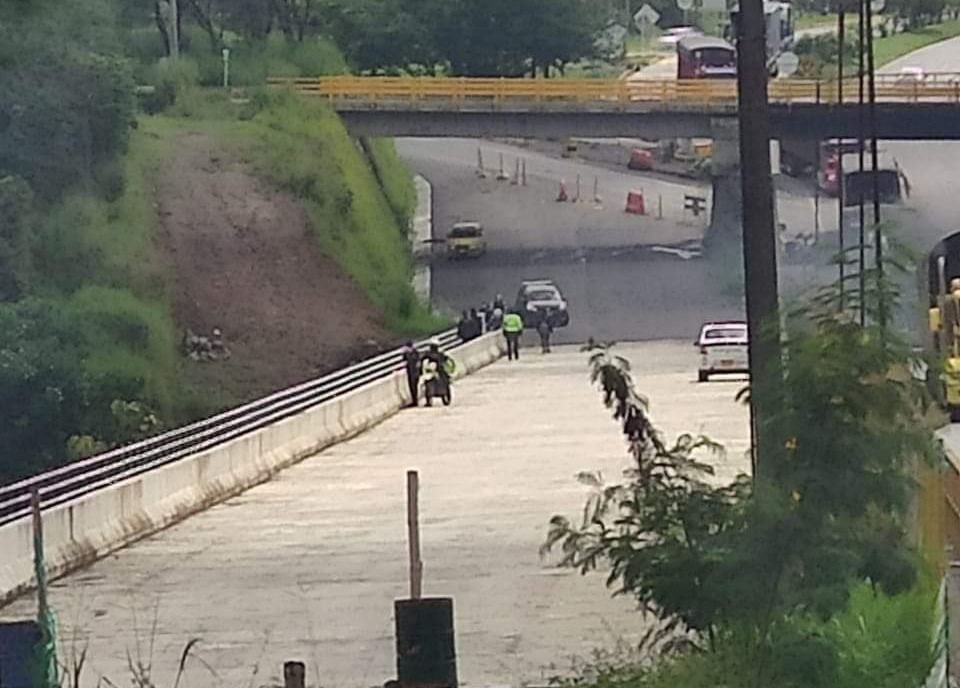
x=132 y=223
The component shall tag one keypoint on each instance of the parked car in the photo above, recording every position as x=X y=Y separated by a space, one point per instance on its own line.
x=465 y=240
x=541 y=298
x=723 y=349
x=641 y=159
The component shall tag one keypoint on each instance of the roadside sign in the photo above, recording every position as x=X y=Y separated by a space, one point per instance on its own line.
x=877 y=5
x=719 y=6
x=787 y=64
x=685 y=5
x=646 y=16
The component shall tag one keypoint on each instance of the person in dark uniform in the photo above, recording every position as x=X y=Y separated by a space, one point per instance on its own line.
x=545 y=329
x=411 y=361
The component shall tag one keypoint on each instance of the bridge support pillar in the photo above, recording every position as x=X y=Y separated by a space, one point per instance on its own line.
x=726 y=213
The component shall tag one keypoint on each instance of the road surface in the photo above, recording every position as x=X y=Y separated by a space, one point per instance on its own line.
x=307 y=566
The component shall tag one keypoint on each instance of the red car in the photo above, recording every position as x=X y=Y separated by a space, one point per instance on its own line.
x=640 y=159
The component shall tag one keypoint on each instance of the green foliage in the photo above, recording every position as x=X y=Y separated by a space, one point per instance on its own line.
x=305 y=149
x=252 y=61
x=17 y=218
x=665 y=531
x=757 y=567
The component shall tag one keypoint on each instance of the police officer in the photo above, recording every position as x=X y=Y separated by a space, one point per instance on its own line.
x=411 y=362
x=512 y=329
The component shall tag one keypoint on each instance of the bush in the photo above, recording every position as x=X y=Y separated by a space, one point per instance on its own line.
x=54 y=137
x=169 y=80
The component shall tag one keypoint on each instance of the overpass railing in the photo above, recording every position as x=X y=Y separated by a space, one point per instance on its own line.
x=934 y=87
x=77 y=479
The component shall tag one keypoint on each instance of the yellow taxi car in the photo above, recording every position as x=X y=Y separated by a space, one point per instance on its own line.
x=465 y=240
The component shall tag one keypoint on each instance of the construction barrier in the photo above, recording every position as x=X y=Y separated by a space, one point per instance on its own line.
x=635 y=203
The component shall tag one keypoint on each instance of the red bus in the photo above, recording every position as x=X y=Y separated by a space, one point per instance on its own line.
x=705 y=57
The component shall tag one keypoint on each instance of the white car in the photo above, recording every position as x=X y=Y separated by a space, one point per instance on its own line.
x=671 y=37
x=723 y=349
x=911 y=75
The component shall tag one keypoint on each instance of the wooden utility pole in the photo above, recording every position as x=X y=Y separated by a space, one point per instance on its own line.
x=759 y=240
x=413 y=531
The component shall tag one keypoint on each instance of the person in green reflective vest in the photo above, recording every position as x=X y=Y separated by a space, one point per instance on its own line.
x=512 y=329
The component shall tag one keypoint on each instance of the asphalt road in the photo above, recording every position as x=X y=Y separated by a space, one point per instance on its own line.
x=619 y=295
x=307 y=566
x=614 y=290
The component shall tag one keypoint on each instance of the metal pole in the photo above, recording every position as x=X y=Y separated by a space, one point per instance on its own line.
x=861 y=146
x=759 y=240
x=841 y=175
x=818 y=163
x=872 y=116
x=226 y=67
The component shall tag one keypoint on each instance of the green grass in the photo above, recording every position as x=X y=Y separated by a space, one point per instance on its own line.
x=890 y=48
x=395 y=178
x=303 y=148
x=812 y=20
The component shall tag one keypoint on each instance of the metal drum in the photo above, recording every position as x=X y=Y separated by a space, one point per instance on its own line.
x=426 y=653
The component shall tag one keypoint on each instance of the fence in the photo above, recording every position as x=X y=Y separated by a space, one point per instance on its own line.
x=935 y=87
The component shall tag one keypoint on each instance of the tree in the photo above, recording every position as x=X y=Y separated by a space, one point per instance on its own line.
x=16 y=229
x=833 y=511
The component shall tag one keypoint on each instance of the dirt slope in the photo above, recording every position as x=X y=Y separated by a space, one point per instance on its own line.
x=243 y=259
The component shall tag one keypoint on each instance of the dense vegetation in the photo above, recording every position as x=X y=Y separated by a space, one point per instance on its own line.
x=466 y=37
x=771 y=581
x=88 y=347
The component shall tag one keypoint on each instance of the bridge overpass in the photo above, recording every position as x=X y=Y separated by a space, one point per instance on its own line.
x=653 y=109
x=307 y=565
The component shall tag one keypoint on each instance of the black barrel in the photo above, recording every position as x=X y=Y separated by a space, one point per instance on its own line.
x=426 y=653
x=19 y=642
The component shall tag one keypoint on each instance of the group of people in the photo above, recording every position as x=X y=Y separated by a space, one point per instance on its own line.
x=473 y=323
x=477 y=321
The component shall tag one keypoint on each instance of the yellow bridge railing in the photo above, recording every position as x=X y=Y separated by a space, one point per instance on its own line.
x=940 y=87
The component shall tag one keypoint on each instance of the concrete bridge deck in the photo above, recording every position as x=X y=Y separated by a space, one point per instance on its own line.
x=307 y=566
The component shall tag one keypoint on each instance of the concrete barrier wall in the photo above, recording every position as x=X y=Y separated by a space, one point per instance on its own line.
x=90 y=527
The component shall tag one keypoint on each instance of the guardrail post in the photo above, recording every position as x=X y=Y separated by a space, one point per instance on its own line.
x=817 y=91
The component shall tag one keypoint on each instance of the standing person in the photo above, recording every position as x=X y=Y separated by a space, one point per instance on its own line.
x=512 y=329
x=411 y=362
x=545 y=329
x=496 y=320
x=476 y=324
x=463 y=326
x=498 y=303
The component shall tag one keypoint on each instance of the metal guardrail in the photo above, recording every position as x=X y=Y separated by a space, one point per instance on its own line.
x=934 y=87
x=77 y=479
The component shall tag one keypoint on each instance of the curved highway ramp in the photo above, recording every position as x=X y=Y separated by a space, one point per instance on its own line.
x=307 y=565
